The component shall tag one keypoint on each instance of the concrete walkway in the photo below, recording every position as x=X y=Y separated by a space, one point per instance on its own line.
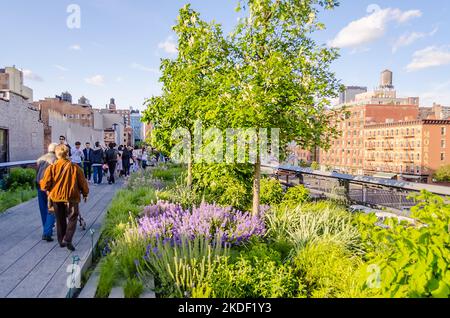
x=32 y=268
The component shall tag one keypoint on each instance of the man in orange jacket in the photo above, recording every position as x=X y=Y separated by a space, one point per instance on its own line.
x=64 y=182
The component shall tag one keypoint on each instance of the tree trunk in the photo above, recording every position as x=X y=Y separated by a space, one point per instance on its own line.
x=256 y=186
x=189 y=176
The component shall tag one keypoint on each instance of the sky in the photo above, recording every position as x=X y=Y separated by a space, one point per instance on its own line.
x=116 y=48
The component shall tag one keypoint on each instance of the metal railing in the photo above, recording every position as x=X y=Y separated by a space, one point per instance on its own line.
x=362 y=190
x=5 y=166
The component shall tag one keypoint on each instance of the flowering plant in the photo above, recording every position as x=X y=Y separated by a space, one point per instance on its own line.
x=170 y=221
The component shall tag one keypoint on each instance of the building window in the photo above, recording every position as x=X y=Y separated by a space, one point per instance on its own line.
x=442 y=156
x=442 y=143
x=443 y=131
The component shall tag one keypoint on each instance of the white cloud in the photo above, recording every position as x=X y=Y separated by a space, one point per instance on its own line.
x=144 y=68
x=429 y=57
x=371 y=27
x=119 y=79
x=169 y=46
x=409 y=38
x=75 y=47
x=96 y=80
x=61 y=68
x=28 y=74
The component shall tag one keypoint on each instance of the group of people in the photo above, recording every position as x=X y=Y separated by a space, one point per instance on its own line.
x=64 y=174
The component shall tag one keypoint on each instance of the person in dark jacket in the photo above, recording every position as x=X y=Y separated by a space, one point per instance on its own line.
x=62 y=141
x=98 y=160
x=48 y=219
x=126 y=157
x=111 y=159
x=87 y=163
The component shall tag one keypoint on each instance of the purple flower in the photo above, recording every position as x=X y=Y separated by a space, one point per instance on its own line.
x=171 y=222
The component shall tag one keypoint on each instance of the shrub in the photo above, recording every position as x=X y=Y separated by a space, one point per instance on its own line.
x=443 y=174
x=412 y=261
x=328 y=270
x=256 y=273
x=21 y=178
x=223 y=184
x=124 y=204
x=133 y=288
x=108 y=275
x=271 y=191
x=312 y=222
x=295 y=196
x=181 y=269
x=9 y=199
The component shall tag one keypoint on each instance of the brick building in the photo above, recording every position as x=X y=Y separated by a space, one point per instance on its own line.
x=21 y=132
x=388 y=136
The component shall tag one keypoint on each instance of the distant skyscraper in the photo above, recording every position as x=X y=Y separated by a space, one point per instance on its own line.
x=350 y=92
x=137 y=125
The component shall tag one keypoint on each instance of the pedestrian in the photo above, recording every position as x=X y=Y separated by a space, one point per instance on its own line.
x=87 y=163
x=111 y=160
x=119 y=167
x=62 y=141
x=144 y=158
x=64 y=181
x=98 y=160
x=48 y=219
x=126 y=157
x=77 y=155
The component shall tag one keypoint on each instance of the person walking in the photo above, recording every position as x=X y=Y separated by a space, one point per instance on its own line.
x=64 y=181
x=77 y=155
x=126 y=157
x=62 y=141
x=98 y=160
x=48 y=219
x=111 y=159
x=144 y=158
x=87 y=162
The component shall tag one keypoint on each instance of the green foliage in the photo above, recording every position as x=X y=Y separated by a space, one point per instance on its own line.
x=312 y=222
x=271 y=191
x=182 y=269
x=224 y=184
x=21 y=178
x=11 y=198
x=108 y=275
x=295 y=196
x=257 y=272
x=443 y=174
x=133 y=288
x=315 y=165
x=124 y=204
x=413 y=261
x=328 y=270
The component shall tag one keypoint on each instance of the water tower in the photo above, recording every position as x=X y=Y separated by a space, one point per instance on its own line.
x=386 y=80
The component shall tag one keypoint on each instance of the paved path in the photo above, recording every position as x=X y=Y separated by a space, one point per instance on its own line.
x=32 y=268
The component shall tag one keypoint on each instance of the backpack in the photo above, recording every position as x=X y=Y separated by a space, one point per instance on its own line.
x=111 y=155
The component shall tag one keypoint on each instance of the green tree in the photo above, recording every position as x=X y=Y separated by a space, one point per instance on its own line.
x=443 y=174
x=281 y=77
x=188 y=81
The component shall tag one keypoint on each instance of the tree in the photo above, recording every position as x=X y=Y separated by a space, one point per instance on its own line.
x=281 y=77
x=443 y=174
x=187 y=80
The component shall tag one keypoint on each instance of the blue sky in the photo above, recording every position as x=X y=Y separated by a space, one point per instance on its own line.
x=117 y=50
